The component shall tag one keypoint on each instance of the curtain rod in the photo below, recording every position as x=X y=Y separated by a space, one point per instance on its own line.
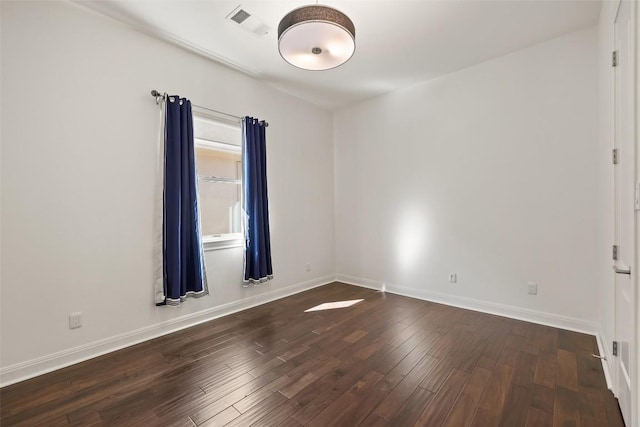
x=161 y=97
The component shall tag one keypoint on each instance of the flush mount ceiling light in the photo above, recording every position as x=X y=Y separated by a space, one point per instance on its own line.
x=316 y=38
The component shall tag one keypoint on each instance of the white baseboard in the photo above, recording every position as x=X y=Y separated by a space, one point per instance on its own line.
x=513 y=312
x=41 y=365
x=363 y=283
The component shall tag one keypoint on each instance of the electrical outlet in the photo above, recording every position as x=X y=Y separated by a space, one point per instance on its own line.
x=75 y=320
x=308 y=266
x=533 y=288
x=453 y=278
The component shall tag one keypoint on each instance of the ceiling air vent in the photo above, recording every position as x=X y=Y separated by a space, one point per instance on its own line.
x=248 y=22
x=240 y=16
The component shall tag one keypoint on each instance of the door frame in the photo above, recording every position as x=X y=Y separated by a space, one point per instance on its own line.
x=634 y=64
x=634 y=263
x=635 y=378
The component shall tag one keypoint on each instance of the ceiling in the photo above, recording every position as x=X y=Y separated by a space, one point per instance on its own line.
x=398 y=42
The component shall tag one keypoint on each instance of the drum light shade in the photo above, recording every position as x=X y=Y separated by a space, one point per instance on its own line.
x=316 y=38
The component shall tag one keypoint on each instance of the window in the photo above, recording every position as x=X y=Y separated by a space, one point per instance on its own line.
x=219 y=167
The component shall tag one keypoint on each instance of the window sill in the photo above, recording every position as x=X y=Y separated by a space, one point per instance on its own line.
x=211 y=243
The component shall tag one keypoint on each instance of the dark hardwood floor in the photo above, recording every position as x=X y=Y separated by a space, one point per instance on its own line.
x=388 y=360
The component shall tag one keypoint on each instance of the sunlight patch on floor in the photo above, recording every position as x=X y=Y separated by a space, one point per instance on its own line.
x=334 y=305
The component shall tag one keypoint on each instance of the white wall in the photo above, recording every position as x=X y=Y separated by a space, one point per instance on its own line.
x=78 y=156
x=490 y=172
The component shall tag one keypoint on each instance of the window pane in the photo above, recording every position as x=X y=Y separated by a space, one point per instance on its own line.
x=219 y=201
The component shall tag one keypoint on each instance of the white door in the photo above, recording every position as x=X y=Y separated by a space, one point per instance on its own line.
x=624 y=184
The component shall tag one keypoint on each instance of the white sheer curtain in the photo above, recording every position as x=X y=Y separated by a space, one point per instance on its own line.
x=158 y=242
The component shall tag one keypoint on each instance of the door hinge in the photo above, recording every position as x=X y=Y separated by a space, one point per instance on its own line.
x=614 y=253
x=615 y=156
x=615 y=348
x=614 y=59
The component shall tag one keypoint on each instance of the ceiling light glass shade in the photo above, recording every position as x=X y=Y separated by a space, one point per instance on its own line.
x=316 y=38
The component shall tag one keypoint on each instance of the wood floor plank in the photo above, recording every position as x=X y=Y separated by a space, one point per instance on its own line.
x=614 y=417
x=91 y=418
x=495 y=346
x=39 y=420
x=280 y=415
x=483 y=418
x=516 y=406
x=543 y=398
x=356 y=414
x=546 y=340
x=222 y=418
x=523 y=374
x=566 y=409
x=567 y=371
x=289 y=422
x=414 y=406
x=295 y=387
x=589 y=371
x=465 y=407
x=257 y=412
x=346 y=401
x=471 y=356
x=374 y=420
x=509 y=356
x=396 y=399
x=435 y=414
x=257 y=397
x=546 y=370
x=230 y=398
x=355 y=336
x=439 y=374
x=408 y=363
x=495 y=393
x=272 y=381
x=180 y=401
x=389 y=360
x=585 y=343
x=538 y=418
x=565 y=341
x=320 y=394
